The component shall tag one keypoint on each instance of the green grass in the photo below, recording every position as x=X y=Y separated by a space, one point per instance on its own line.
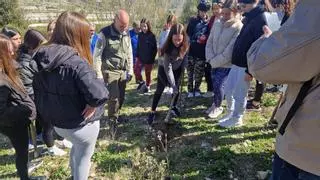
x=197 y=148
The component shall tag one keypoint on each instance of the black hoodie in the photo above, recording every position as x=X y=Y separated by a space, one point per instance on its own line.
x=64 y=85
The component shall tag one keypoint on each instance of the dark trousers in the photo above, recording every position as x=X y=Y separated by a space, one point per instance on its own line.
x=195 y=68
x=47 y=133
x=162 y=83
x=208 y=77
x=259 y=91
x=282 y=170
x=19 y=138
x=116 y=86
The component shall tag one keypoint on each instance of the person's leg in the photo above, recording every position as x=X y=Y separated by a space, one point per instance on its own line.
x=19 y=139
x=47 y=133
x=219 y=83
x=112 y=78
x=190 y=70
x=259 y=91
x=122 y=89
x=199 y=72
x=177 y=77
x=148 y=70
x=240 y=94
x=137 y=71
x=161 y=83
x=84 y=140
x=208 y=77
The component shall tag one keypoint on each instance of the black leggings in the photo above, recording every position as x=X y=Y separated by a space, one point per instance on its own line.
x=259 y=91
x=208 y=77
x=19 y=138
x=162 y=83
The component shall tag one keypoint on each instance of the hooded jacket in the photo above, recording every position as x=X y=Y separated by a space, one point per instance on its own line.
x=291 y=56
x=16 y=107
x=147 y=47
x=221 y=41
x=251 y=31
x=27 y=69
x=64 y=85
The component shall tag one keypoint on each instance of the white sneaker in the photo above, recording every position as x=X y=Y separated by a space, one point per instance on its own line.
x=64 y=144
x=233 y=122
x=225 y=117
x=55 y=151
x=210 y=109
x=30 y=147
x=197 y=94
x=190 y=95
x=166 y=89
x=208 y=94
x=216 y=112
x=170 y=91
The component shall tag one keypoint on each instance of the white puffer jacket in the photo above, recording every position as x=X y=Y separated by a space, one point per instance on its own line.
x=221 y=41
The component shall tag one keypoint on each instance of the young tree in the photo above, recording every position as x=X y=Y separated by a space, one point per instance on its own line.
x=9 y=13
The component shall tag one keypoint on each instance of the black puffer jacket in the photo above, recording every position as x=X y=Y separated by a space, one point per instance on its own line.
x=16 y=107
x=64 y=85
x=147 y=48
x=27 y=69
x=250 y=32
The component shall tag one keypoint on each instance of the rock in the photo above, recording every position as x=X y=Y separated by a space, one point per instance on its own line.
x=261 y=175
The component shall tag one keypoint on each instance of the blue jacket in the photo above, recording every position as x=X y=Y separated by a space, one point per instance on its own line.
x=134 y=43
x=64 y=85
x=251 y=31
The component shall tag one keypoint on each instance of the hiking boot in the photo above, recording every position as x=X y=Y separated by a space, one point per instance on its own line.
x=55 y=151
x=216 y=112
x=151 y=118
x=230 y=123
x=175 y=111
x=253 y=106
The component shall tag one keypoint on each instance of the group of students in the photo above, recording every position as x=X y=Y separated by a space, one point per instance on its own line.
x=57 y=83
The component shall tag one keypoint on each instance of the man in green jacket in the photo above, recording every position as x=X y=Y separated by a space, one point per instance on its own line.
x=113 y=63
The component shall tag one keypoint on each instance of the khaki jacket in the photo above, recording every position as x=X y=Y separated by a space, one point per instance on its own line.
x=292 y=56
x=220 y=44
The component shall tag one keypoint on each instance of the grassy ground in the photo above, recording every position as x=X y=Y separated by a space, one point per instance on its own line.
x=194 y=147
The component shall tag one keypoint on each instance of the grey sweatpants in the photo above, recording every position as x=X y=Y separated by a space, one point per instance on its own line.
x=84 y=140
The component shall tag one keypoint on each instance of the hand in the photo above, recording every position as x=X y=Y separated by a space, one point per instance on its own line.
x=129 y=77
x=267 y=31
x=88 y=112
x=248 y=77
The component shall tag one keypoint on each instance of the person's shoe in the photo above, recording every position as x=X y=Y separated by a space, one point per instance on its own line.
x=170 y=91
x=140 y=85
x=210 y=109
x=148 y=89
x=176 y=112
x=225 y=117
x=233 y=122
x=208 y=94
x=216 y=112
x=55 y=151
x=253 y=107
x=151 y=118
x=30 y=146
x=33 y=165
x=64 y=144
x=197 y=94
x=166 y=89
x=273 y=89
x=190 y=95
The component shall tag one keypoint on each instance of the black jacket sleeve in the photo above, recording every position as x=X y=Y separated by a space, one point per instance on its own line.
x=10 y=113
x=154 y=46
x=94 y=91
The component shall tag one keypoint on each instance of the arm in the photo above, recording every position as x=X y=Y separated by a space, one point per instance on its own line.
x=226 y=56
x=289 y=55
x=130 y=59
x=209 y=47
x=94 y=91
x=154 y=44
x=168 y=70
x=97 y=56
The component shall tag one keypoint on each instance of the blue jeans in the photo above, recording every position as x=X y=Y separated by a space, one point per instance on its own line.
x=219 y=77
x=236 y=91
x=282 y=170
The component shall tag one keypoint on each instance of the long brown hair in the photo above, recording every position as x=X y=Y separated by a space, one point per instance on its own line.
x=176 y=29
x=73 y=29
x=144 y=20
x=7 y=62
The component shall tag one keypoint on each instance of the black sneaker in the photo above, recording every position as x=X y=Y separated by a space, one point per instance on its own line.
x=252 y=107
x=176 y=111
x=151 y=118
x=273 y=89
x=140 y=85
